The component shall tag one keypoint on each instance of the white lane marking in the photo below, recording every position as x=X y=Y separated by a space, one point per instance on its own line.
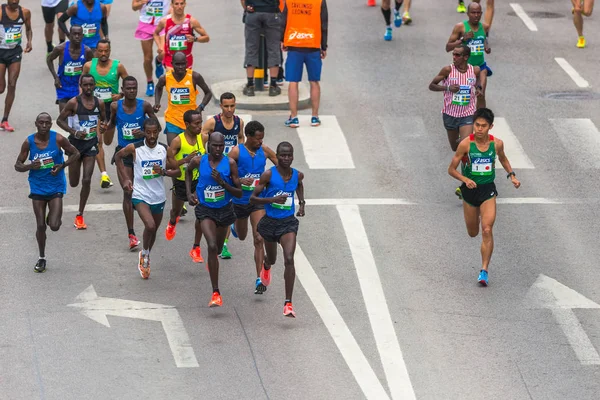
x=580 y=342
x=581 y=139
x=564 y=64
x=390 y=353
x=325 y=202
x=97 y=308
x=524 y=17
x=512 y=147
x=325 y=146
x=335 y=324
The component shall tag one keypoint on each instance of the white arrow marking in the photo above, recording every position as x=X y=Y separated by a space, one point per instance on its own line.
x=560 y=299
x=97 y=308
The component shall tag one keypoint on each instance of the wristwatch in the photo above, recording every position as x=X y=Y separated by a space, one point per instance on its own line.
x=510 y=173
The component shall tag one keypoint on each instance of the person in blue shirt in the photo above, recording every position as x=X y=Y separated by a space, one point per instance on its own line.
x=275 y=190
x=218 y=181
x=251 y=158
x=47 y=181
x=91 y=16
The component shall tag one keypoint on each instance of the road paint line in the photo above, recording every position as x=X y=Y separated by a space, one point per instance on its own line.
x=580 y=342
x=524 y=17
x=339 y=331
x=512 y=147
x=528 y=200
x=362 y=202
x=564 y=64
x=325 y=146
x=386 y=339
x=581 y=139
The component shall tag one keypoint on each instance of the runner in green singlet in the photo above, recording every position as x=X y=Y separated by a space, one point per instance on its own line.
x=478 y=155
x=474 y=34
x=107 y=73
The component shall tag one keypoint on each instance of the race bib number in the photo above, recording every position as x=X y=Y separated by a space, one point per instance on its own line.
x=214 y=194
x=103 y=93
x=90 y=127
x=73 y=69
x=476 y=46
x=89 y=30
x=47 y=162
x=148 y=169
x=178 y=43
x=13 y=35
x=463 y=96
x=285 y=206
x=180 y=96
x=129 y=131
x=482 y=166
x=154 y=9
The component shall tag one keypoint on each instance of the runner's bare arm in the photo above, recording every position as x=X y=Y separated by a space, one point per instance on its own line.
x=159 y=28
x=86 y=68
x=65 y=17
x=62 y=120
x=171 y=151
x=148 y=110
x=28 y=31
x=191 y=194
x=104 y=22
x=207 y=129
x=234 y=154
x=264 y=180
x=20 y=165
x=69 y=150
x=461 y=151
x=434 y=86
x=271 y=155
x=489 y=15
x=53 y=55
x=300 y=194
x=137 y=5
x=122 y=71
x=123 y=177
x=199 y=81
x=89 y=53
x=160 y=85
x=109 y=134
x=241 y=136
x=455 y=37
x=203 y=38
x=236 y=188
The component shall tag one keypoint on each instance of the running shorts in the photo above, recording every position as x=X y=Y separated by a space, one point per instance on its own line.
x=49 y=13
x=482 y=193
x=41 y=197
x=272 y=229
x=86 y=148
x=154 y=208
x=11 y=56
x=243 y=211
x=454 y=123
x=180 y=191
x=128 y=161
x=223 y=216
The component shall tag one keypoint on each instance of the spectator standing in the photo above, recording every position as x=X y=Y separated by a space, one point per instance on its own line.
x=305 y=40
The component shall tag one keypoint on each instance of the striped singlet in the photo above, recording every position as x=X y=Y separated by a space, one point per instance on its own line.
x=462 y=103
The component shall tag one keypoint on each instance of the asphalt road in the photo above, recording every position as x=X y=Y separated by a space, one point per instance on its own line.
x=386 y=295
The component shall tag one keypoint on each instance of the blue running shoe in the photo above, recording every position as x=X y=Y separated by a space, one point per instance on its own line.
x=233 y=232
x=315 y=121
x=150 y=89
x=388 y=34
x=159 y=70
x=483 y=278
x=397 y=19
x=292 y=122
x=260 y=288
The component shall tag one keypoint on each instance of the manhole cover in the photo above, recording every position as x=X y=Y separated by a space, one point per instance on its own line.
x=572 y=96
x=539 y=14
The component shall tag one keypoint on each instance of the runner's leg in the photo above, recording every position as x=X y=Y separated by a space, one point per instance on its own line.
x=86 y=181
x=288 y=244
x=488 y=217
x=453 y=136
x=471 y=219
x=147 y=218
x=14 y=70
x=39 y=209
x=209 y=230
x=481 y=102
x=259 y=244
x=157 y=220
x=148 y=58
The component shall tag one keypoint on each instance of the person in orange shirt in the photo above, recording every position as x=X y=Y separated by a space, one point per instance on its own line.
x=305 y=40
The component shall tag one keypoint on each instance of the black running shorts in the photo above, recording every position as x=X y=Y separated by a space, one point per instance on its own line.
x=476 y=197
x=223 y=216
x=272 y=229
x=86 y=148
x=243 y=211
x=180 y=191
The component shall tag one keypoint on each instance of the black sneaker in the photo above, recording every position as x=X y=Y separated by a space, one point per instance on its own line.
x=249 y=91
x=40 y=266
x=274 y=90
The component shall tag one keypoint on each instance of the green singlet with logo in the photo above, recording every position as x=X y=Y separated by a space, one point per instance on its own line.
x=479 y=166
x=476 y=44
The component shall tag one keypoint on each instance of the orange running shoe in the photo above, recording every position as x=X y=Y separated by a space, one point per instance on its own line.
x=133 y=242
x=170 y=231
x=265 y=275
x=5 y=126
x=216 y=300
x=288 y=310
x=144 y=266
x=79 y=222
x=371 y=3
x=196 y=255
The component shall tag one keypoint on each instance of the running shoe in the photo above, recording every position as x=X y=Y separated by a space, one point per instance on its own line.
x=216 y=300
x=461 y=7
x=159 y=70
x=397 y=18
x=280 y=82
x=150 y=89
x=233 y=232
x=371 y=3
x=248 y=91
x=274 y=90
x=144 y=266
x=388 y=34
x=260 y=288
x=196 y=255
x=483 y=278
x=40 y=265
x=580 y=43
x=105 y=182
x=292 y=122
x=407 y=19
x=5 y=126
x=171 y=230
x=79 y=222
x=225 y=254
x=133 y=242
x=183 y=211
x=315 y=121
x=458 y=193
x=288 y=310
x=265 y=275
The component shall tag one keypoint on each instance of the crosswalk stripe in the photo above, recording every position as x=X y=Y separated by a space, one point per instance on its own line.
x=512 y=147
x=581 y=138
x=325 y=147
